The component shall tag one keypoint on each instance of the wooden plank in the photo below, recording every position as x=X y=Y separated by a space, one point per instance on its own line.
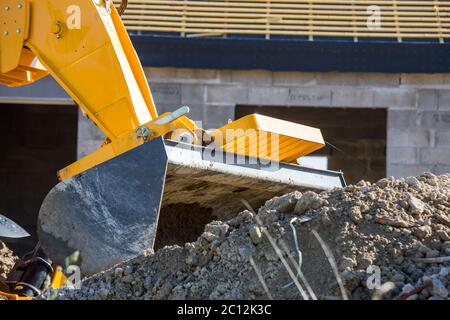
x=399 y=19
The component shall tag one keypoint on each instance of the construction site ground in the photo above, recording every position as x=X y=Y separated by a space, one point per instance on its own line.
x=383 y=240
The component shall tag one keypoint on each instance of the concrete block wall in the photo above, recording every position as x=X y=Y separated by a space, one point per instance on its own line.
x=418 y=137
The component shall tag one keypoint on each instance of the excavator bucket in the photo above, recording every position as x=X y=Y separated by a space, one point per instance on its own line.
x=10 y=229
x=109 y=213
x=158 y=194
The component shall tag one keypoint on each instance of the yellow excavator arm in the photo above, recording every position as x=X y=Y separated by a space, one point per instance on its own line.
x=85 y=47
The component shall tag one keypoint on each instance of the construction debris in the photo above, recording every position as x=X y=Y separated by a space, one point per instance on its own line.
x=386 y=240
x=7 y=260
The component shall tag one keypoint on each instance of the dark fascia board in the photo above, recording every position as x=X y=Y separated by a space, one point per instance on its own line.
x=293 y=55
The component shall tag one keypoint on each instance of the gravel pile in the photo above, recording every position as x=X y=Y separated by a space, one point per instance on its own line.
x=386 y=240
x=7 y=260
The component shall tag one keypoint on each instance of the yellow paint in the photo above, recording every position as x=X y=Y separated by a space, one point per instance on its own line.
x=14 y=17
x=58 y=278
x=9 y=296
x=265 y=137
x=125 y=143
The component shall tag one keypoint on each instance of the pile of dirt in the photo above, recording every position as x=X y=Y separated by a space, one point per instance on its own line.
x=389 y=239
x=7 y=260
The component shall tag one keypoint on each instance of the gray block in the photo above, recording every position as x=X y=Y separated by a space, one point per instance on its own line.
x=293 y=78
x=197 y=112
x=337 y=78
x=46 y=90
x=310 y=96
x=193 y=94
x=434 y=156
x=166 y=93
x=87 y=146
x=443 y=139
x=217 y=116
x=402 y=155
x=437 y=120
x=402 y=170
x=378 y=79
x=395 y=98
x=269 y=96
x=402 y=119
x=427 y=99
x=444 y=99
x=87 y=130
x=252 y=77
x=405 y=138
x=421 y=79
x=352 y=97
x=227 y=94
x=441 y=169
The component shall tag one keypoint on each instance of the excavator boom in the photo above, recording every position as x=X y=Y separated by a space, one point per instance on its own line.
x=108 y=204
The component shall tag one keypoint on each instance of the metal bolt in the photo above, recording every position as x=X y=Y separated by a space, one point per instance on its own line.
x=18 y=30
x=6 y=8
x=5 y=33
x=19 y=6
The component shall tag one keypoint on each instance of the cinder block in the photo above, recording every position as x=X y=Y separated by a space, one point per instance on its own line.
x=444 y=99
x=352 y=97
x=437 y=120
x=397 y=137
x=427 y=99
x=269 y=96
x=435 y=156
x=406 y=138
x=85 y=147
x=441 y=169
x=87 y=130
x=197 y=112
x=197 y=74
x=337 y=78
x=402 y=155
x=154 y=74
x=358 y=79
x=402 y=170
x=193 y=94
x=402 y=119
x=395 y=98
x=378 y=79
x=217 y=116
x=224 y=76
x=166 y=93
x=166 y=107
x=252 y=77
x=422 y=79
x=227 y=94
x=183 y=75
x=308 y=96
x=443 y=139
x=294 y=78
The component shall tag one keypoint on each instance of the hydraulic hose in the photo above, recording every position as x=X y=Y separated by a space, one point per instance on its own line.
x=123 y=7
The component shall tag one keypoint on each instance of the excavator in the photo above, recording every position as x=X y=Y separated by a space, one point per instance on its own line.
x=108 y=204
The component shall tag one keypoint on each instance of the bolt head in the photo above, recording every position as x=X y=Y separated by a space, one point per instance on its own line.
x=6 y=8
x=5 y=33
x=19 y=6
x=18 y=30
